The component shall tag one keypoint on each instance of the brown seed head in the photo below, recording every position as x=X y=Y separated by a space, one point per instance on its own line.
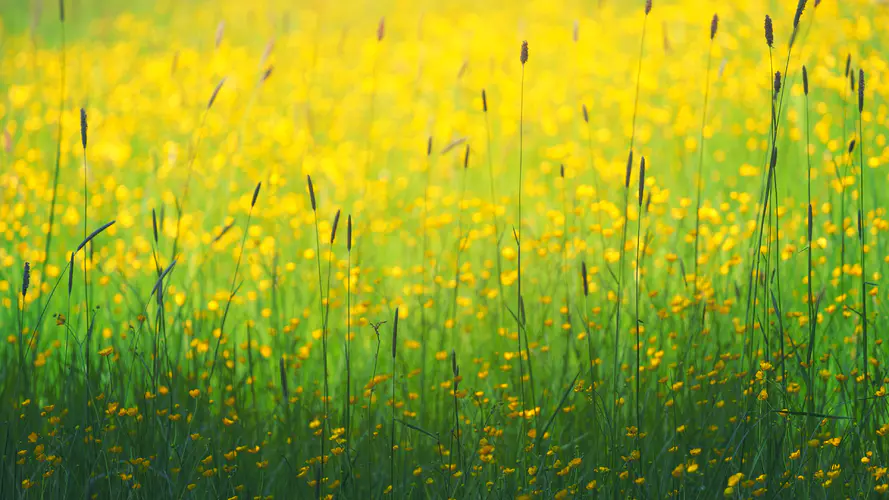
x=83 y=127
x=770 y=34
x=524 y=55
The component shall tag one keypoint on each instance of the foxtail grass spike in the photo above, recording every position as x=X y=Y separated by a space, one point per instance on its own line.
x=851 y=146
x=629 y=170
x=429 y=147
x=349 y=233
x=285 y=393
x=381 y=29
x=62 y=10
x=395 y=334
x=861 y=90
x=774 y=159
x=524 y=54
x=336 y=222
x=267 y=73
x=311 y=192
x=83 y=127
x=454 y=368
x=26 y=279
x=586 y=114
x=562 y=170
x=255 y=194
x=154 y=225
x=777 y=86
x=647 y=7
x=641 y=181
x=852 y=81
x=583 y=275
x=800 y=7
x=215 y=93
x=466 y=158
x=848 y=64
x=714 y=25
x=484 y=101
x=93 y=235
x=805 y=81
x=770 y=33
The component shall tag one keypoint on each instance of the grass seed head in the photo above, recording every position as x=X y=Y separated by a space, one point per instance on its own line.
x=629 y=170
x=800 y=7
x=641 y=181
x=770 y=33
x=26 y=279
x=311 y=192
x=583 y=275
x=336 y=222
x=255 y=194
x=586 y=114
x=215 y=93
x=267 y=73
x=851 y=146
x=154 y=224
x=777 y=86
x=714 y=25
x=83 y=127
x=349 y=233
x=805 y=81
x=381 y=29
x=848 y=64
x=861 y=90
x=282 y=370
x=62 y=11
x=484 y=101
x=524 y=54
x=647 y=7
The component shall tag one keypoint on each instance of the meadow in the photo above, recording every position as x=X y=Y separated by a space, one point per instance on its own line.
x=617 y=249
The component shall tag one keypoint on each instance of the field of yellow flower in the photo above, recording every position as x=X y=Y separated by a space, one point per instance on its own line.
x=396 y=249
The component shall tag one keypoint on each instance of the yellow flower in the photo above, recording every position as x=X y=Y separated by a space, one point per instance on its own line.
x=106 y=351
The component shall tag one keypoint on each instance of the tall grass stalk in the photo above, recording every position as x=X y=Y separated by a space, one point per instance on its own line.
x=623 y=244
x=87 y=254
x=423 y=274
x=497 y=229
x=700 y=180
x=392 y=447
x=862 y=243
x=63 y=65
x=638 y=284
x=810 y=299
x=190 y=166
x=461 y=247
x=347 y=402
x=323 y=419
x=523 y=57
